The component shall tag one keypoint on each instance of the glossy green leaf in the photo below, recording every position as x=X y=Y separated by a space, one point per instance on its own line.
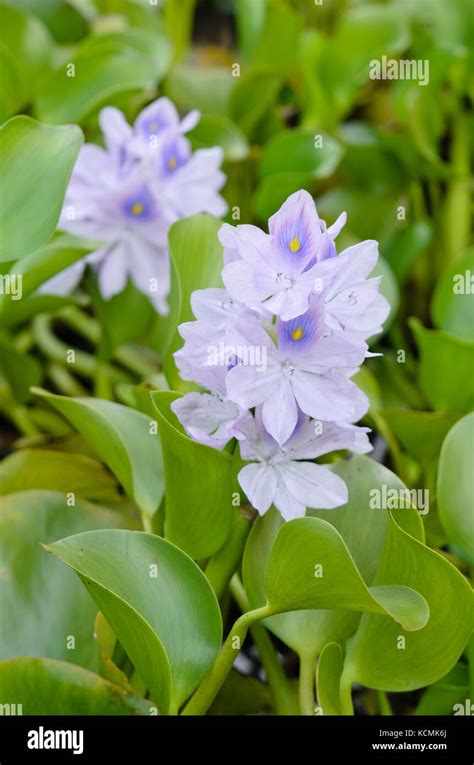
x=363 y=529
x=383 y=655
x=57 y=471
x=27 y=41
x=445 y=370
x=158 y=603
x=253 y=94
x=274 y=189
x=443 y=697
x=299 y=150
x=278 y=45
x=35 y=164
x=456 y=486
x=199 y=486
x=250 y=18
x=215 y=130
x=420 y=433
x=197 y=258
x=406 y=247
x=123 y=439
x=40 y=265
x=206 y=88
x=105 y=66
x=45 y=604
x=328 y=676
x=452 y=306
x=310 y=567
x=49 y=687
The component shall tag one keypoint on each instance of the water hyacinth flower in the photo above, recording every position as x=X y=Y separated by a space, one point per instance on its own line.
x=276 y=356
x=128 y=194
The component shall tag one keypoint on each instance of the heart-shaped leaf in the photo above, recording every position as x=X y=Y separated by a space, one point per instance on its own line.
x=310 y=567
x=456 y=486
x=381 y=654
x=49 y=687
x=123 y=439
x=35 y=164
x=49 y=613
x=158 y=603
x=199 y=486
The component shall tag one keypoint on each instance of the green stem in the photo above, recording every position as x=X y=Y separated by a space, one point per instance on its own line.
x=209 y=688
x=306 y=684
x=84 y=364
x=19 y=416
x=284 y=701
x=345 y=694
x=222 y=565
x=384 y=704
x=64 y=381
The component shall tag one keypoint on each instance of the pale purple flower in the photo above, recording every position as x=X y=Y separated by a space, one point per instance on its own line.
x=305 y=369
x=278 y=477
x=209 y=418
x=276 y=349
x=277 y=270
x=128 y=194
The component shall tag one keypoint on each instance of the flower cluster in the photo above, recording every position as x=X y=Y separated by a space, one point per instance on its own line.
x=288 y=332
x=129 y=193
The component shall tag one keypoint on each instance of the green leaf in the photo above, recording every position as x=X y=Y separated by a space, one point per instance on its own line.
x=278 y=46
x=199 y=487
x=274 y=189
x=293 y=151
x=250 y=18
x=158 y=603
x=456 y=486
x=215 y=130
x=420 y=433
x=253 y=94
x=445 y=370
x=328 y=676
x=104 y=67
x=292 y=581
x=406 y=247
x=452 y=306
x=122 y=438
x=196 y=254
x=442 y=697
x=57 y=471
x=363 y=530
x=35 y=164
x=40 y=265
x=48 y=687
x=381 y=655
x=27 y=42
x=123 y=317
x=206 y=88
x=45 y=604
x=242 y=695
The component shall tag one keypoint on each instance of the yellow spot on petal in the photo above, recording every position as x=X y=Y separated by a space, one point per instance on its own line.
x=295 y=244
x=297 y=333
x=137 y=208
x=172 y=163
x=154 y=127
